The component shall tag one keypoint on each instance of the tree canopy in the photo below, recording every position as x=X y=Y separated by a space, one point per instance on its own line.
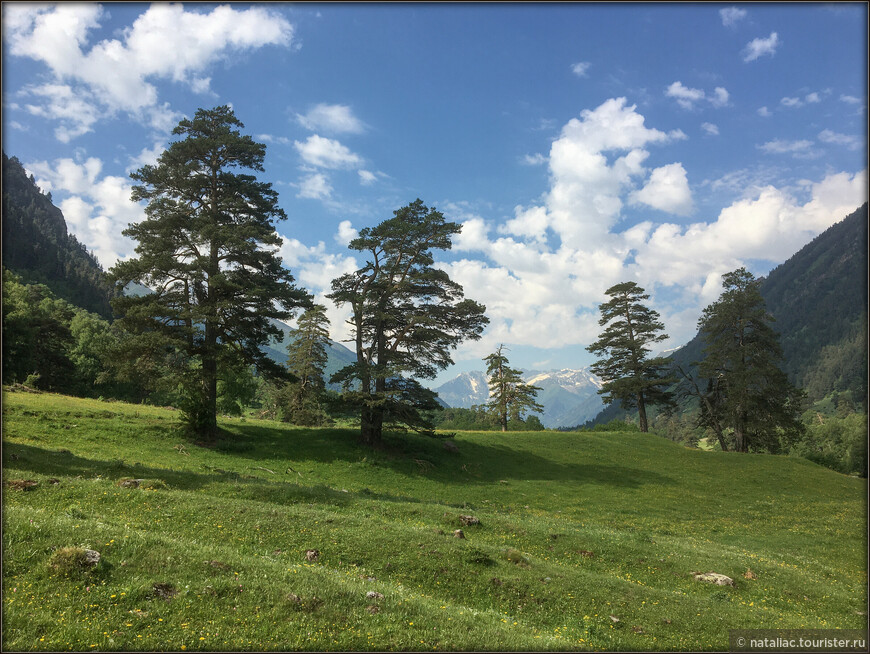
x=406 y=317
x=509 y=397
x=629 y=375
x=746 y=390
x=208 y=251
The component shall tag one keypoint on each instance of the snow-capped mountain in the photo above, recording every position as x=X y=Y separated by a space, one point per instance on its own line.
x=570 y=397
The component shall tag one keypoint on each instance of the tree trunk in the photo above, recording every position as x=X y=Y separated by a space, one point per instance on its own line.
x=641 y=413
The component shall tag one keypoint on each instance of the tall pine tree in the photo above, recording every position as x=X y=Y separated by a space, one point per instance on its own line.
x=746 y=390
x=509 y=397
x=629 y=375
x=306 y=359
x=406 y=317
x=208 y=250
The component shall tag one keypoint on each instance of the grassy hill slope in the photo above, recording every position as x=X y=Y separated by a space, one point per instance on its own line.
x=208 y=553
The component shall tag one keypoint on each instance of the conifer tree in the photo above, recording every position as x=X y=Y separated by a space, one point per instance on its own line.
x=306 y=360
x=406 y=317
x=509 y=397
x=208 y=251
x=747 y=391
x=629 y=375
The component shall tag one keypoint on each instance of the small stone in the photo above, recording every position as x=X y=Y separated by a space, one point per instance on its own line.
x=468 y=520
x=458 y=534
x=614 y=619
x=92 y=557
x=312 y=555
x=164 y=591
x=714 y=578
x=638 y=630
x=586 y=554
x=450 y=446
x=371 y=608
x=749 y=574
x=373 y=594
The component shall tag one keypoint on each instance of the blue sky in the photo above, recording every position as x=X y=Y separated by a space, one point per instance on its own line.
x=580 y=145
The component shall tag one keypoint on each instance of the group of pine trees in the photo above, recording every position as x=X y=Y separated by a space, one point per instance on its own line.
x=207 y=251
x=744 y=396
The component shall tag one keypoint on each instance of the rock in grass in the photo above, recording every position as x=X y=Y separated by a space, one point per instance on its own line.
x=372 y=608
x=714 y=578
x=749 y=574
x=130 y=483
x=164 y=591
x=22 y=484
x=74 y=559
x=450 y=446
x=458 y=534
x=468 y=520
x=373 y=594
x=312 y=555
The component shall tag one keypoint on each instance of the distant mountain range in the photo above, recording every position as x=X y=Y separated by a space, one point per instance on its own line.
x=570 y=397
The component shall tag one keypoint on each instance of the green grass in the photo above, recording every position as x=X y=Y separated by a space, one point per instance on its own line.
x=208 y=552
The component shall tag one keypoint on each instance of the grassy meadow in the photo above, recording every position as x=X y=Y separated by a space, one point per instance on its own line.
x=585 y=541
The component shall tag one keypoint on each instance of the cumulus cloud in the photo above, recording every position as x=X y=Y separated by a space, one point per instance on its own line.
x=117 y=75
x=764 y=112
x=688 y=97
x=581 y=69
x=667 y=190
x=542 y=273
x=731 y=16
x=346 y=233
x=326 y=153
x=314 y=187
x=332 y=118
x=759 y=47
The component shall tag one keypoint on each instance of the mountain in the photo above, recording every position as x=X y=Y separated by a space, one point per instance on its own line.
x=818 y=299
x=38 y=247
x=569 y=397
x=465 y=390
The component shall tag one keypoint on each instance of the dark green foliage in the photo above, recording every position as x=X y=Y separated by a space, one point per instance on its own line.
x=629 y=375
x=406 y=316
x=478 y=418
x=37 y=246
x=509 y=397
x=307 y=358
x=746 y=392
x=36 y=335
x=206 y=247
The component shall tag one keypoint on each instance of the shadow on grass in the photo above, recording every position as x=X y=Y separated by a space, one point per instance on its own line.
x=420 y=456
x=29 y=460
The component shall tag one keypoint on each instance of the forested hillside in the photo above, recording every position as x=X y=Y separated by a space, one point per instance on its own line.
x=818 y=299
x=37 y=246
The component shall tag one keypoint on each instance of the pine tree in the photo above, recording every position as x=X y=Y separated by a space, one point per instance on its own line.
x=509 y=397
x=747 y=391
x=208 y=250
x=406 y=316
x=629 y=375
x=306 y=360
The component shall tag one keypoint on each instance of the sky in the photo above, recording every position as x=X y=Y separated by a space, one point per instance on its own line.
x=578 y=145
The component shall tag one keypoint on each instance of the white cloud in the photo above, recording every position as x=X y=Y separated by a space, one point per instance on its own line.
x=731 y=16
x=581 y=69
x=346 y=233
x=764 y=112
x=760 y=47
x=667 y=190
x=116 y=74
x=314 y=187
x=847 y=140
x=812 y=98
x=791 y=102
x=326 y=153
x=779 y=146
x=710 y=129
x=534 y=159
x=333 y=118
x=366 y=177
x=687 y=97
x=850 y=99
